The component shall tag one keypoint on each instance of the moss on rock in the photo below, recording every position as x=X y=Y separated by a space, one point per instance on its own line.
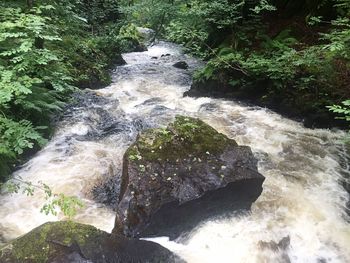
x=42 y=243
x=185 y=136
x=67 y=241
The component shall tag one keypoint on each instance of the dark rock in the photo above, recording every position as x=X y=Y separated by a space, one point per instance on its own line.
x=133 y=45
x=118 y=61
x=181 y=65
x=279 y=249
x=154 y=57
x=165 y=55
x=139 y=125
x=107 y=191
x=283 y=244
x=159 y=110
x=176 y=177
x=210 y=107
x=152 y=101
x=322 y=260
x=139 y=48
x=65 y=242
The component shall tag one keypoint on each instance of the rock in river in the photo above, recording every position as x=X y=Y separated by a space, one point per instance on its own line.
x=69 y=242
x=174 y=178
x=181 y=65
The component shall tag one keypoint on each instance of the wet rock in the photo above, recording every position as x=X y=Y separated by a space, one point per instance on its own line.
x=107 y=191
x=65 y=242
x=165 y=55
x=181 y=65
x=283 y=244
x=118 y=60
x=152 y=101
x=154 y=57
x=176 y=177
x=210 y=107
x=280 y=250
x=139 y=125
x=112 y=126
x=102 y=124
x=159 y=110
x=133 y=45
x=139 y=47
x=146 y=34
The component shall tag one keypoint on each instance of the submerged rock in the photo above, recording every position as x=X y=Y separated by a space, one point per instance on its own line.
x=173 y=178
x=65 y=242
x=277 y=252
x=181 y=65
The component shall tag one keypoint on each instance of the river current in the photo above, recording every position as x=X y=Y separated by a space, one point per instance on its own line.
x=302 y=203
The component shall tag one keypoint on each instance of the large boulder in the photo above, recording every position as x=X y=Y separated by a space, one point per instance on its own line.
x=146 y=34
x=69 y=242
x=176 y=177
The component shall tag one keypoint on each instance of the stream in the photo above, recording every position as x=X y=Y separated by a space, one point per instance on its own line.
x=303 y=199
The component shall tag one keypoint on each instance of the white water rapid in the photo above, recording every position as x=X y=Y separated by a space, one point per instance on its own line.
x=302 y=197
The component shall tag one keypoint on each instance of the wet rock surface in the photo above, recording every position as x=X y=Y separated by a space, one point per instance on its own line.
x=176 y=177
x=279 y=250
x=181 y=65
x=68 y=242
x=108 y=190
x=146 y=34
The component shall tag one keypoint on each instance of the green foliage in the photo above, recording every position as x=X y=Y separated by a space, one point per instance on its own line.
x=200 y=21
x=17 y=136
x=46 y=50
x=67 y=205
x=196 y=24
x=32 y=79
x=150 y=13
x=263 y=5
x=96 y=12
x=342 y=110
x=129 y=31
x=338 y=40
x=128 y=37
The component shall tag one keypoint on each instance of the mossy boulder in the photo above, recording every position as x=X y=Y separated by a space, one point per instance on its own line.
x=175 y=177
x=64 y=242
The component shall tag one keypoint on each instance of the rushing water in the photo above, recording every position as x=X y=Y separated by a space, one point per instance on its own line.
x=302 y=198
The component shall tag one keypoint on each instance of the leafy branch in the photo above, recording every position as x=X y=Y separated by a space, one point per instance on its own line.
x=68 y=205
